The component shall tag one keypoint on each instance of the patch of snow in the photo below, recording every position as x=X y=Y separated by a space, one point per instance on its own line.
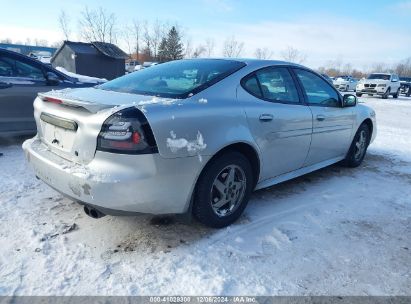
x=157 y=100
x=81 y=78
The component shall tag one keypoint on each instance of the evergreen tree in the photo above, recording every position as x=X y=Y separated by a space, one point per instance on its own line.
x=174 y=47
x=163 y=51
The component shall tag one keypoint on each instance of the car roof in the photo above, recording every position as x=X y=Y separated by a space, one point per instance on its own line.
x=252 y=61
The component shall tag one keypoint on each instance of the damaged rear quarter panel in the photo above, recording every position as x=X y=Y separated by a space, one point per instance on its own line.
x=193 y=127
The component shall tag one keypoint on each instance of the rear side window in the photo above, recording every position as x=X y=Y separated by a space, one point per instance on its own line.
x=272 y=84
x=28 y=71
x=251 y=85
x=318 y=91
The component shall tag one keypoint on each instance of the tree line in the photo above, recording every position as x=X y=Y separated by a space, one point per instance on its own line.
x=162 y=41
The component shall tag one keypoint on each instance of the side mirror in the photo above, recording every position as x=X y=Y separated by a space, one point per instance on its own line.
x=52 y=79
x=349 y=100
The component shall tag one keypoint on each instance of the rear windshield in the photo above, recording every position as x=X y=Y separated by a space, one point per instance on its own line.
x=379 y=76
x=407 y=79
x=175 y=79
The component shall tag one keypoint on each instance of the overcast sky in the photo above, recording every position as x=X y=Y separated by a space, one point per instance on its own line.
x=356 y=32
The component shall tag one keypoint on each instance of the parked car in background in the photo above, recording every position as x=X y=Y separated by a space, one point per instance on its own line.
x=21 y=79
x=44 y=59
x=328 y=78
x=138 y=67
x=169 y=140
x=131 y=65
x=345 y=83
x=149 y=64
x=405 y=87
x=383 y=84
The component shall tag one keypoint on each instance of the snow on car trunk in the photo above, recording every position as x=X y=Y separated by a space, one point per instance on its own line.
x=325 y=233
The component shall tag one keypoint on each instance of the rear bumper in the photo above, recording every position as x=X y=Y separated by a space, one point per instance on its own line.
x=342 y=87
x=124 y=183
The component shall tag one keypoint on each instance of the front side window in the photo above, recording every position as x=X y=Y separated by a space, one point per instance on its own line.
x=6 y=67
x=28 y=71
x=175 y=79
x=318 y=91
x=272 y=84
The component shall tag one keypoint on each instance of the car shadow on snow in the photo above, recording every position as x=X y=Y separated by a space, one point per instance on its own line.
x=151 y=234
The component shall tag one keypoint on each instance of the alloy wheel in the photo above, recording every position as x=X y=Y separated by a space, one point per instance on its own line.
x=360 y=145
x=228 y=190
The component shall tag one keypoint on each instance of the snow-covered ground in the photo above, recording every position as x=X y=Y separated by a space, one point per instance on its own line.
x=338 y=231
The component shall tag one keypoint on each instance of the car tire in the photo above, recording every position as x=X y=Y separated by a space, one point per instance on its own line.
x=396 y=94
x=358 y=94
x=386 y=94
x=223 y=190
x=358 y=147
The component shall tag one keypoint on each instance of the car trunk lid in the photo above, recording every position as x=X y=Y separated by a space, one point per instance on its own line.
x=69 y=121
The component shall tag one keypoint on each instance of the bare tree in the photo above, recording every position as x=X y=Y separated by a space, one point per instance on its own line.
x=156 y=37
x=293 y=55
x=136 y=30
x=41 y=42
x=189 y=49
x=199 y=51
x=56 y=44
x=6 y=40
x=403 y=68
x=264 y=53
x=147 y=40
x=232 y=47
x=64 y=22
x=125 y=34
x=347 y=69
x=209 y=47
x=379 y=67
x=98 y=25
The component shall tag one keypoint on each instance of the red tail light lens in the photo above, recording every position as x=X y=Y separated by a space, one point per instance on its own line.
x=53 y=100
x=127 y=132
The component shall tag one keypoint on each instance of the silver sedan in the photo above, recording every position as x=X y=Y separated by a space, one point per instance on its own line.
x=194 y=136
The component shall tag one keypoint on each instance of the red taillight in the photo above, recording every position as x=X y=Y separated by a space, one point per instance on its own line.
x=127 y=132
x=53 y=100
x=120 y=144
x=136 y=137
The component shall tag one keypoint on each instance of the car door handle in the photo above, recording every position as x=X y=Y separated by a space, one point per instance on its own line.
x=320 y=117
x=266 y=117
x=4 y=85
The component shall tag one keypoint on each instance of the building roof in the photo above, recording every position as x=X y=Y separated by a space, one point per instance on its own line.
x=94 y=48
x=110 y=50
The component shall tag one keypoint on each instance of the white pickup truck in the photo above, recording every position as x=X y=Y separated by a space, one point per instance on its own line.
x=384 y=84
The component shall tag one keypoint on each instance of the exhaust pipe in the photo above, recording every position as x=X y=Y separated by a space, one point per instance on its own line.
x=94 y=213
